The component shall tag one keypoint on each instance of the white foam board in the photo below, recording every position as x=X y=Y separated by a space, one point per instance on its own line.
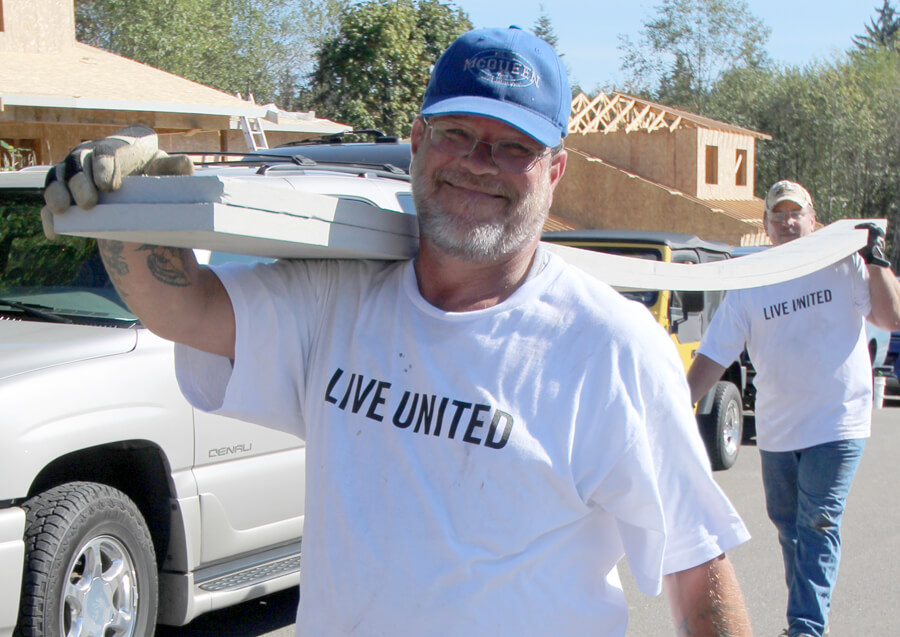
x=774 y=265
x=272 y=220
x=234 y=215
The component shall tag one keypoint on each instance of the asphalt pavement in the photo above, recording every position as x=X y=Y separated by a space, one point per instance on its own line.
x=866 y=602
x=867 y=597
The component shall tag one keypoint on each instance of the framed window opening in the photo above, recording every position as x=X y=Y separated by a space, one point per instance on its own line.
x=712 y=165
x=740 y=167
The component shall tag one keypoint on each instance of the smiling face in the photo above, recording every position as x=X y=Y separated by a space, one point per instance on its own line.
x=467 y=206
x=789 y=220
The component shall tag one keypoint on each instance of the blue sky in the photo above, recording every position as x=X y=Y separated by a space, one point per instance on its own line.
x=801 y=30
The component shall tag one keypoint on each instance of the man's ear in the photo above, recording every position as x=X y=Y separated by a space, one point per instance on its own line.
x=417 y=134
x=557 y=167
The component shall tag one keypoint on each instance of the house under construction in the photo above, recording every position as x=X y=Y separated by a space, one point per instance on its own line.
x=56 y=92
x=640 y=165
x=632 y=164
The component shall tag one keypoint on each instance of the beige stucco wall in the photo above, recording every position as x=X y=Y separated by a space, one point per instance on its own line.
x=594 y=195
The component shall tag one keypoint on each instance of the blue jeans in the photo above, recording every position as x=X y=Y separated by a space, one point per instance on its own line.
x=805 y=495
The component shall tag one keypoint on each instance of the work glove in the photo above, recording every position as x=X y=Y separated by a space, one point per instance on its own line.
x=101 y=164
x=873 y=252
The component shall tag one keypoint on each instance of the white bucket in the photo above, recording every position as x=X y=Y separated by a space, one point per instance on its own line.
x=878 y=396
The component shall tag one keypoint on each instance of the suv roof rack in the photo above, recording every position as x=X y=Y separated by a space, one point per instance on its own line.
x=299 y=161
x=385 y=153
x=377 y=136
x=354 y=162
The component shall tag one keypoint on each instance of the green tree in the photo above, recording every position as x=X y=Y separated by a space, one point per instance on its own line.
x=834 y=128
x=259 y=47
x=373 y=72
x=27 y=257
x=687 y=45
x=881 y=32
x=543 y=28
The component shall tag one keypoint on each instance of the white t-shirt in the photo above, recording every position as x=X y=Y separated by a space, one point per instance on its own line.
x=806 y=340
x=475 y=473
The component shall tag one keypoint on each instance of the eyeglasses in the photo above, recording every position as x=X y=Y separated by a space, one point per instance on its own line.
x=452 y=139
x=781 y=217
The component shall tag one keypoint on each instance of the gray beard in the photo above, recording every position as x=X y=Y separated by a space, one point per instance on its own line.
x=479 y=240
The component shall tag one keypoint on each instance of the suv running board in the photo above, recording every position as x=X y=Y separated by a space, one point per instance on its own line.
x=251 y=571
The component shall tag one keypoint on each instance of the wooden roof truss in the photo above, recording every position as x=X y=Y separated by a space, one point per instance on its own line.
x=610 y=113
x=618 y=111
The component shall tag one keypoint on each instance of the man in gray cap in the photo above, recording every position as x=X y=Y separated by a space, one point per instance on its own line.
x=806 y=339
x=517 y=427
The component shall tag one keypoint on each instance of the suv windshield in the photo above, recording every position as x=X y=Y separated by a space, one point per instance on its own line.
x=60 y=281
x=65 y=281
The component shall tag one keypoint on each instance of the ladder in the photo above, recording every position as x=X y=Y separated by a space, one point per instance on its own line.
x=254 y=134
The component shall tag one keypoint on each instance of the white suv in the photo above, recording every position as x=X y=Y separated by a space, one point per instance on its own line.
x=120 y=505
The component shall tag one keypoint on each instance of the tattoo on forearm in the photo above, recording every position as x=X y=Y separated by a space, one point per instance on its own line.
x=116 y=265
x=167 y=265
x=111 y=253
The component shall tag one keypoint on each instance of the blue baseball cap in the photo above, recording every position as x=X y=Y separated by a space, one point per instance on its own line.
x=509 y=75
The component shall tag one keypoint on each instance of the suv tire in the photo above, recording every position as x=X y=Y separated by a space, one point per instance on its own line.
x=722 y=428
x=89 y=558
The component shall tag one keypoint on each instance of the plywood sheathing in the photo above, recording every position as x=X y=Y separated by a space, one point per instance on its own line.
x=629 y=154
x=663 y=144
x=553 y=224
x=596 y=194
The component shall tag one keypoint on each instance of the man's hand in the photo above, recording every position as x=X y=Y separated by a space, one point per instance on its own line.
x=101 y=164
x=873 y=253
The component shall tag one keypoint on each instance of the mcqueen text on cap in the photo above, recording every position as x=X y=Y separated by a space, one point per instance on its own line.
x=509 y=75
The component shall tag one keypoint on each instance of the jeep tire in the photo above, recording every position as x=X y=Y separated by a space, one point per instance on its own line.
x=722 y=428
x=89 y=559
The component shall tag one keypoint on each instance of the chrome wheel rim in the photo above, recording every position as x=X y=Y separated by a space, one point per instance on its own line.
x=100 y=595
x=731 y=432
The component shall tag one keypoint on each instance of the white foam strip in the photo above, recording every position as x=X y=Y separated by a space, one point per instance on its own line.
x=213 y=213
x=775 y=265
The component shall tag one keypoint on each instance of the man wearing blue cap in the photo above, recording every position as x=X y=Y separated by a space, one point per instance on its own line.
x=523 y=427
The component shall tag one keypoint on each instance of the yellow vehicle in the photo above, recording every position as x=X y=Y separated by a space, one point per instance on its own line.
x=685 y=316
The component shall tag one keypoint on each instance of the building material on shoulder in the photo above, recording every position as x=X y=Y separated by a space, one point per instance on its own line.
x=260 y=216
x=265 y=217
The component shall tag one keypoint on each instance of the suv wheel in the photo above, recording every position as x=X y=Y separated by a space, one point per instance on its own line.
x=90 y=566
x=722 y=428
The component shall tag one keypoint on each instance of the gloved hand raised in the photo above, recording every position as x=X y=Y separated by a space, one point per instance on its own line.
x=101 y=164
x=873 y=253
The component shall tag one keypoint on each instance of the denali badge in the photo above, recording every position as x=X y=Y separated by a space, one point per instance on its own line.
x=228 y=451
